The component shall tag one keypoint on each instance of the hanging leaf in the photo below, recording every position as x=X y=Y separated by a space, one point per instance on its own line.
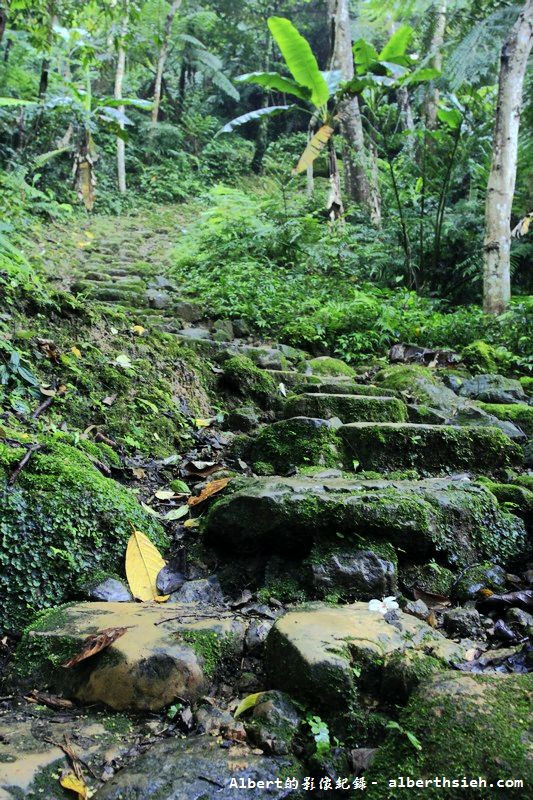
x=70 y=781
x=365 y=55
x=300 y=59
x=212 y=488
x=143 y=564
x=270 y=111
x=95 y=644
x=314 y=148
x=273 y=80
x=249 y=702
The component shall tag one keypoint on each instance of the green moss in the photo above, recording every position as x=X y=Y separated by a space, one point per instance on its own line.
x=475 y=726
x=248 y=380
x=430 y=577
x=346 y=407
x=211 y=648
x=524 y=480
x=117 y=724
x=527 y=383
x=295 y=442
x=402 y=377
x=519 y=413
x=518 y=499
x=324 y=365
x=479 y=576
x=60 y=520
x=481 y=357
x=432 y=450
x=41 y=655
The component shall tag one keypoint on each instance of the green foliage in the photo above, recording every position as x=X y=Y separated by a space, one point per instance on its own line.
x=320 y=733
x=279 y=267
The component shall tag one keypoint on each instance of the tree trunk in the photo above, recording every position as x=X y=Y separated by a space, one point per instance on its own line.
x=500 y=189
x=3 y=23
x=45 y=67
x=354 y=159
x=119 y=81
x=435 y=49
x=163 y=53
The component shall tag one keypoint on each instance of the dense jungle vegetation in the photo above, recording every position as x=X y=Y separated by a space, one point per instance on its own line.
x=266 y=415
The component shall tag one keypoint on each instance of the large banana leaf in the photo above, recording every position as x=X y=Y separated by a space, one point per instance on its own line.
x=395 y=48
x=300 y=59
x=273 y=80
x=314 y=148
x=113 y=102
x=270 y=111
x=365 y=55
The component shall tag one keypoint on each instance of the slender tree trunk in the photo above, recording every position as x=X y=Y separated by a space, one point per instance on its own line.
x=45 y=67
x=500 y=189
x=435 y=48
x=3 y=22
x=162 y=60
x=119 y=81
x=358 y=186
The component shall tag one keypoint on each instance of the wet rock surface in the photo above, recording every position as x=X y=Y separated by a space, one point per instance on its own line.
x=197 y=768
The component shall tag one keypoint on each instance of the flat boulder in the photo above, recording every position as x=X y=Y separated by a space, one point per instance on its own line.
x=166 y=652
x=347 y=407
x=198 y=767
x=331 y=653
x=493 y=389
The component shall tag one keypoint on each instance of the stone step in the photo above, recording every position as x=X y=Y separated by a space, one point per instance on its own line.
x=154 y=663
x=380 y=447
x=431 y=449
x=347 y=407
x=454 y=521
x=311 y=654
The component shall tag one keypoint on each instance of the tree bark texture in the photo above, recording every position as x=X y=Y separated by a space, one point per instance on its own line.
x=162 y=60
x=119 y=82
x=435 y=48
x=354 y=159
x=500 y=190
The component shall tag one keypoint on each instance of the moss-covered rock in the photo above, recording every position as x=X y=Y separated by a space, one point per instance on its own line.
x=455 y=522
x=480 y=357
x=295 y=442
x=469 y=726
x=248 y=380
x=418 y=384
x=325 y=365
x=516 y=498
x=312 y=383
x=519 y=413
x=61 y=518
x=431 y=449
x=474 y=579
x=347 y=407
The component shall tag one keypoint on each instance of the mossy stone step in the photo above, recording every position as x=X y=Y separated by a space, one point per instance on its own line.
x=342 y=386
x=456 y=522
x=431 y=449
x=347 y=407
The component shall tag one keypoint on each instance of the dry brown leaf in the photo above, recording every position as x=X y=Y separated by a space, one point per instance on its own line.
x=109 y=400
x=432 y=600
x=139 y=472
x=95 y=644
x=212 y=488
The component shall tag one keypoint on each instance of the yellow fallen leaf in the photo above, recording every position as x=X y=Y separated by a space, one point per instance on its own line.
x=89 y=234
x=143 y=563
x=191 y=523
x=202 y=423
x=249 y=702
x=138 y=329
x=69 y=781
x=165 y=494
x=75 y=352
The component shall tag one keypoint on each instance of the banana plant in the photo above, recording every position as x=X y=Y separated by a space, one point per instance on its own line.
x=308 y=84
